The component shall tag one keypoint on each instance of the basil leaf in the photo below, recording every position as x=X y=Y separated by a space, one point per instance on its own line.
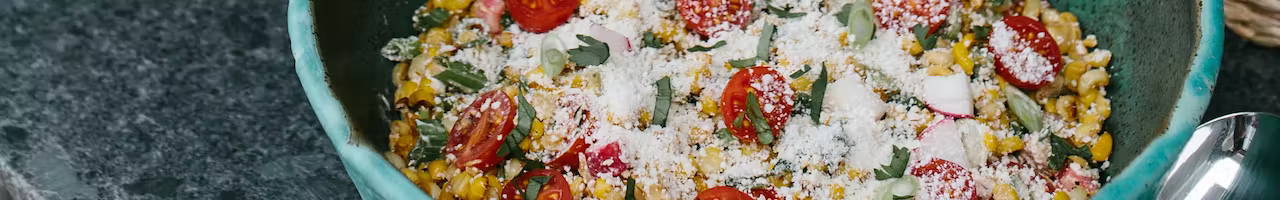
x=1061 y=149
x=431 y=139
x=458 y=76
x=631 y=189
x=897 y=166
x=594 y=53
x=535 y=186
x=724 y=134
x=424 y=21
x=525 y=115
x=533 y=164
x=663 y=104
x=756 y=115
x=927 y=41
x=800 y=73
x=802 y=104
x=402 y=49
x=702 y=48
x=766 y=38
x=784 y=13
x=743 y=63
x=651 y=41
x=816 y=94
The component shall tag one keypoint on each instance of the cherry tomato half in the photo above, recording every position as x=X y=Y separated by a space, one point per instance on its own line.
x=480 y=130
x=766 y=193
x=556 y=187
x=722 y=193
x=771 y=90
x=580 y=124
x=939 y=178
x=1017 y=68
x=606 y=159
x=902 y=15
x=540 y=16
x=709 y=17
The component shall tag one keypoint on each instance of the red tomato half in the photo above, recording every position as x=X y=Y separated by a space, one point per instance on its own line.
x=556 y=188
x=902 y=15
x=722 y=193
x=540 y=16
x=708 y=17
x=1014 y=68
x=939 y=177
x=580 y=124
x=606 y=160
x=771 y=90
x=480 y=130
x=767 y=194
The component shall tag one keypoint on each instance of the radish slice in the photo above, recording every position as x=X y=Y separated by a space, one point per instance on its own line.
x=617 y=42
x=491 y=11
x=606 y=160
x=949 y=95
x=942 y=140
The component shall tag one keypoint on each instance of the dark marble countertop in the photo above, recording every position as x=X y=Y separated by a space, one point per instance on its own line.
x=148 y=99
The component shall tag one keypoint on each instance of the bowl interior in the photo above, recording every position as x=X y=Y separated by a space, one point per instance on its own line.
x=1153 y=44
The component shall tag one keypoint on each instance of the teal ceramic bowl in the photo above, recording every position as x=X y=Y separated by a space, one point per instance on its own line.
x=1166 y=57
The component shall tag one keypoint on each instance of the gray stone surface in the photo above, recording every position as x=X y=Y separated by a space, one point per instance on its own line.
x=197 y=99
x=157 y=99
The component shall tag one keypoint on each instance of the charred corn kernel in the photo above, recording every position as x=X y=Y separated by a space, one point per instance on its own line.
x=537 y=129
x=710 y=106
x=438 y=36
x=837 y=192
x=1004 y=191
x=1066 y=107
x=1098 y=58
x=1101 y=148
x=601 y=189
x=1073 y=70
x=406 y=89
x=1090 y=41
x=801 y=84
x=436 y=168
x=476 y=187
x=1059 y=195
x=454 y=5
x=1092 y=80
x=505 y=39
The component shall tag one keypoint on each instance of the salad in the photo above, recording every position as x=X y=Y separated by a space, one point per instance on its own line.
x=746 y=99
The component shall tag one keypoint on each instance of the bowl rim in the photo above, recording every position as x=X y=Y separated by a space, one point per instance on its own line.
x=375 y=178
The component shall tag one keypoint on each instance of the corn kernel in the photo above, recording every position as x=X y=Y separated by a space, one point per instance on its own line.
x=526 y=144
x=1066 y=107
x=914 y=47
x=476 y=187
x=1092 y=80
x=505 y=39
x=1101 y=148
x=433 y=190
x=990 y=141
x=1067 y=17
x=699 y=183
x=1004 y=191
x=1086 y=130
x=938 y=70
x=1103 y=107
x=407 y=88
x=438 y=36
x=455 y=5
x=436 y=168
x=601 y=189
x=938 y=57
x=1010 y=144
x=710 y=106
x=1073 y=70
x=1031 y=8
x=844 y=39
x=1059 y=195
x=1090 y=41
x=709 y=163
x=837 y=192
x=458 y=183
x=960 y=53
x=576 y=187
x=801 y=84
x=1098 y=58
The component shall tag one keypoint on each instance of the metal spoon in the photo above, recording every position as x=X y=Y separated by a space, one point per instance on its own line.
x=1222 y=160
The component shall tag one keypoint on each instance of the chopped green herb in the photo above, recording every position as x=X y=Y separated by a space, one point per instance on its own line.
x=784 y=13
x=927 y=41
x=402 y=49
x=663 y=103
x=702 y=48
x=535 y=186
x=981 y=33
x=525 y=115
x=459 y=75
x=896 y=197
x=897 y=166
x=802 y=104
x=743 y=63
x=532 y=164
x=756 y=114
x=801 y=72
x=1061 y=149
x=651 y=41
x=843 y=15
x=476 y=42
x=431 y=138
x=631 y=189
x=816 y=94
x=424 y=21
x=766 y=40
x=594 y=53
x=506 y=20
x=723 y=134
